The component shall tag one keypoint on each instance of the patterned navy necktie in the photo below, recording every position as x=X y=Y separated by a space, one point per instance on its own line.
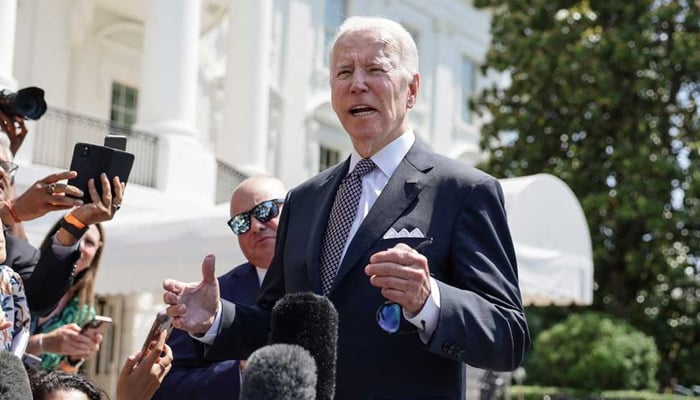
x=340 y=220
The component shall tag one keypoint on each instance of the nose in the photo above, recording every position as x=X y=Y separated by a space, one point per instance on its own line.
x=359 y=81
x=257 y=226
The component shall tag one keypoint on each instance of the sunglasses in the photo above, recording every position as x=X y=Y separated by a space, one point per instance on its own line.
x=389 y=314
x=263 y=212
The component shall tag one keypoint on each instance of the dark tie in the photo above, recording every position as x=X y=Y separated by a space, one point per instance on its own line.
x=342 y=214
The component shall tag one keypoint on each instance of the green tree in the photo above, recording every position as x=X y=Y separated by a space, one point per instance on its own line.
x=603 y=94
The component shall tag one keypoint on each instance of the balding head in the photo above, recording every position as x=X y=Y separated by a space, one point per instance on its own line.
x=258 y=243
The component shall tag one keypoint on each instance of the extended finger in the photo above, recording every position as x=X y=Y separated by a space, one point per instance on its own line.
x=74 y=191
x=170 y=298
x=154 y=354
x=106 y=190
x=59 y=176
x=174 y=286
x=209 y=269
x=118 y=189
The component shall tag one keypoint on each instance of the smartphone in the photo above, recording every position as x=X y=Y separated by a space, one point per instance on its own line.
x=96 y=325
x=160 y=324
x=116 y=142
x=90 y=160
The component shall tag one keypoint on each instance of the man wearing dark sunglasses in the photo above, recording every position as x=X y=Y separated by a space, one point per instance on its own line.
x=400 y=239
x=255 y=207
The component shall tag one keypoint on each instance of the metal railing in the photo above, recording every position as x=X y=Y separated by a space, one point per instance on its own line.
x=57 y=132
x=227 y=178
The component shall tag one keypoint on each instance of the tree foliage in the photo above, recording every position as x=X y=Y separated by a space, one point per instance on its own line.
x=603 y=94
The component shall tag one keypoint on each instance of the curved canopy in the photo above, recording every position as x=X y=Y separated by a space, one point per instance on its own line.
x=551 y=239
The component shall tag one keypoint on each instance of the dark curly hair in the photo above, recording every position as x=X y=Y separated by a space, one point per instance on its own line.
x=43 y=385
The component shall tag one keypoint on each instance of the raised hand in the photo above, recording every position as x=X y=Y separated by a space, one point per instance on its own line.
x=140 y=380
x=47 y=195
x=192 y=306
x=102 y=208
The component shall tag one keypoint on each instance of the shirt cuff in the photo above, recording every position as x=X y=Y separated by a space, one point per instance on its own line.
x=62 y=251
x=210 y=335
x=427 y=318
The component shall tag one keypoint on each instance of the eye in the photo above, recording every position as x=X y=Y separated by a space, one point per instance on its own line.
x=343 y=73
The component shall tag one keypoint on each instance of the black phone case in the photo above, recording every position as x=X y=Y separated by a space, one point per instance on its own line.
x=90 y=160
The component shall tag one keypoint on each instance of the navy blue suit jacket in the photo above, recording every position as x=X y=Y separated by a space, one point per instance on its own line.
x=193 y=378
x=481 y=319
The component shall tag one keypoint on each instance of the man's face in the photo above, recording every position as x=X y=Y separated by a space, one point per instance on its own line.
x=370 y=90
x=258 y=243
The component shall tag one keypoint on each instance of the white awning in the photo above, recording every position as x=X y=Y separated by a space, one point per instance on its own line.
x=552 y=241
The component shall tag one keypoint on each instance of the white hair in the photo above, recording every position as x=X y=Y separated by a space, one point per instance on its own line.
x=397 y=34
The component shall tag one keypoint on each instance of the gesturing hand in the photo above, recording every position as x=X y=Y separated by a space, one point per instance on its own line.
x=192 y=306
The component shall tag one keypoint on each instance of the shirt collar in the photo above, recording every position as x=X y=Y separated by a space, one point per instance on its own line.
x=388 y=158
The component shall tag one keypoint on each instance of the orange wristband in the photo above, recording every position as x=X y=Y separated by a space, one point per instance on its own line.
x=12 y=212
x=74 y=221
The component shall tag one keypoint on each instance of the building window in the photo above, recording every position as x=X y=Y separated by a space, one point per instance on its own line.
x=327 y=158
x=334 y=15
x=468 y=87
x=124 y=105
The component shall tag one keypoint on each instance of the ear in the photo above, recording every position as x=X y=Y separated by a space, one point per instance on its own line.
x=413 y=86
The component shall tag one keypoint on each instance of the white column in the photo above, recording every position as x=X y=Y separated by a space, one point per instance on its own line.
x=296 y=161
x=442 y=99
x=167 y=100
x=244 y=140
x=8 y=19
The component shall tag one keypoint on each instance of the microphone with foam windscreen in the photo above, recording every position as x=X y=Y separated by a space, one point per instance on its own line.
x=310 y=321
x=14 y=382
x=279 y=372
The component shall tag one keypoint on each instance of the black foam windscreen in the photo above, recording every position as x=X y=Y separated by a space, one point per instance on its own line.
x=310 y=321
x=14 y=382
x=279 y=372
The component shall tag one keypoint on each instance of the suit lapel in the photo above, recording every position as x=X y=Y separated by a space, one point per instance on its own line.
x=400 y=192
x=326 y=190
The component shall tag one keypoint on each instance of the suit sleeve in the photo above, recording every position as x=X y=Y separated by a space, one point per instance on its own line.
x=245 y=328
x=50 y=280
x=46 y=277
x=481 y=320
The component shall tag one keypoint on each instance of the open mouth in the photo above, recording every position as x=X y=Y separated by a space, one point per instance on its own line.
x=362 y=111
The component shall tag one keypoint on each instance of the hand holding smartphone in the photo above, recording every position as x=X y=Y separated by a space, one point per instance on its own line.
x=161 y=323
x=90 y=160
x=96 y=325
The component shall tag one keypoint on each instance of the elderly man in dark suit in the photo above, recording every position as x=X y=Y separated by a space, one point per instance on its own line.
x=255 y=207
x=357 y=234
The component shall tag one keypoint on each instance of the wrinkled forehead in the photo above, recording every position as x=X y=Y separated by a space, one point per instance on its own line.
x=364 y=43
